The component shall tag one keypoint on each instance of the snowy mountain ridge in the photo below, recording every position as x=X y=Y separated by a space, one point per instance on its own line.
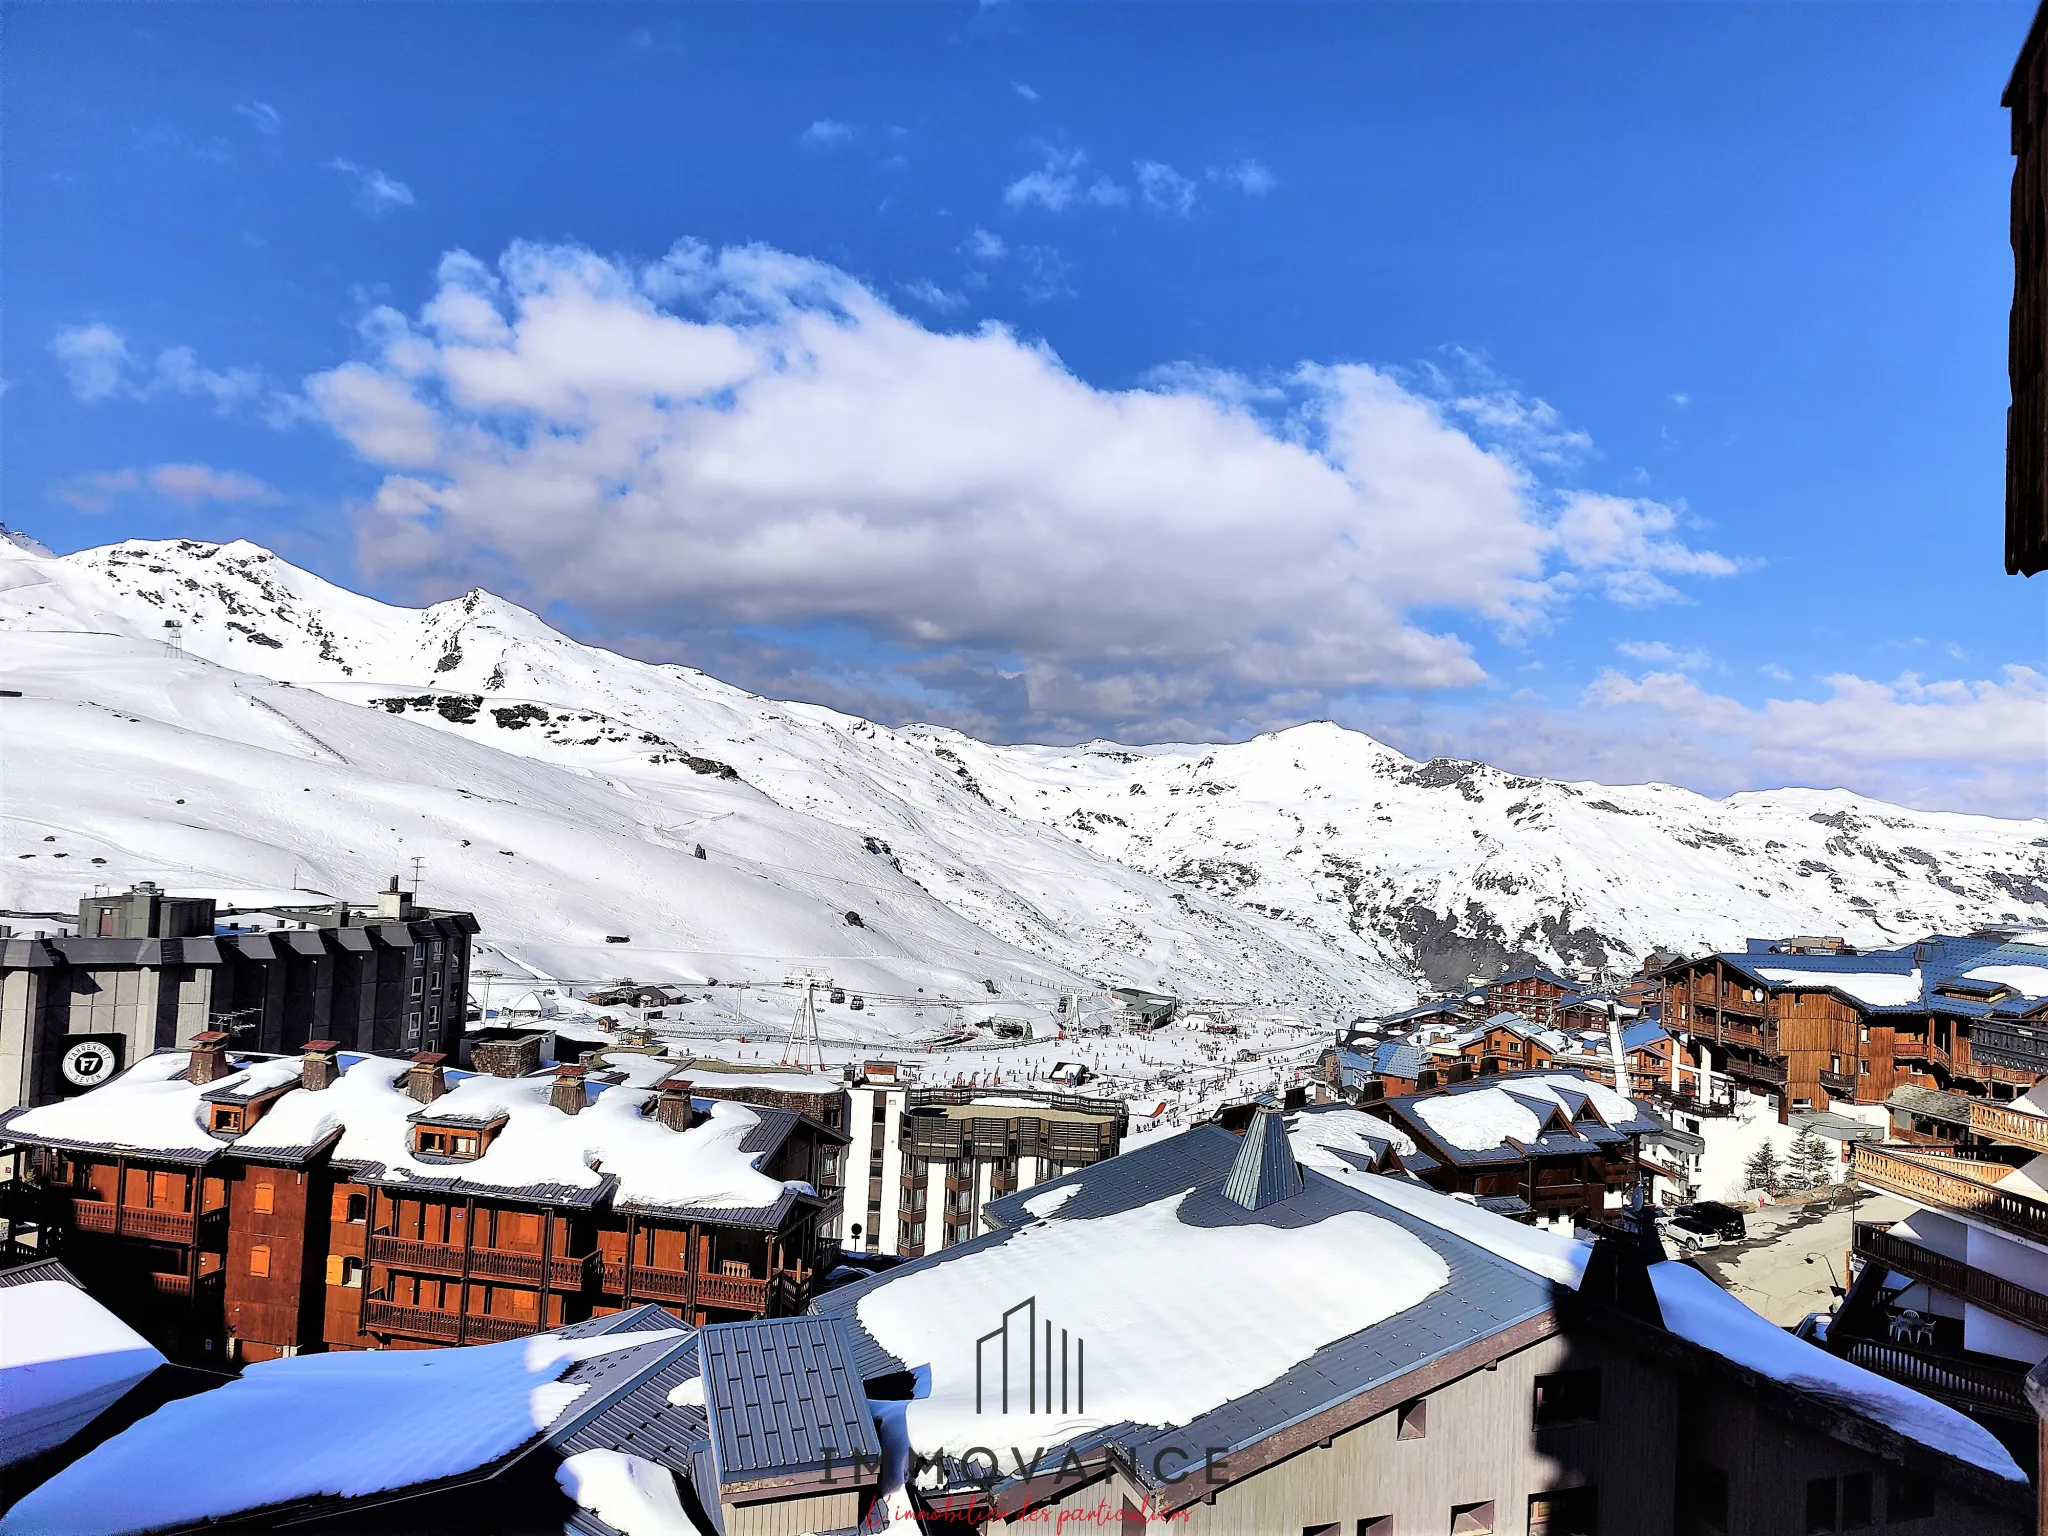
x=1313 y=866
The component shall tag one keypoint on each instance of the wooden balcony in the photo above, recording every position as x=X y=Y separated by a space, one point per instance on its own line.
x=181 y=1287
x=2007 y=1299
x=566 y=1273
x=741 y=1293
x=1952 y=1184
x=1995 y=1122
x=1969 y=1384
x=390 y=1317
x=178 y=1227
x=1771 y=1072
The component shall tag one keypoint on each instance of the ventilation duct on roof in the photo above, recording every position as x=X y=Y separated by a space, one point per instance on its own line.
x=1265 y=1171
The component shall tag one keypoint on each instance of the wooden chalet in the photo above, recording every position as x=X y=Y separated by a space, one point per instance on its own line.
x=1573 y=1161
x=1814 y=1028
x=2026 y=421
x=339 y=1201
x=1533 y=991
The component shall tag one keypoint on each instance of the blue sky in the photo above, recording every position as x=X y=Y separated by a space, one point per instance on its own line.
x=1612 y=391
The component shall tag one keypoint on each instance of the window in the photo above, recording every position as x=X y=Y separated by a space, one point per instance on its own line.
x=259 y=1261
x=1858 y=1509
x=1907 y=1496
x=1568 y=1397
x=435 y=981
x=1411 y=1419
x=224 y=1117
x=433 y=1015
x=912 y=1233
x=1820 y=1505
x=358 y=1208
x=412 y=1026
x=419 y=953
x=437 y=951
x=1327 y=1528
x=1703 y=1489
x=1472 y=1519
x=1376 y=1525
x=439 y=1141
x=343 y=1270
x=419 y=986
x=262 y=1197
x=1565 y=1512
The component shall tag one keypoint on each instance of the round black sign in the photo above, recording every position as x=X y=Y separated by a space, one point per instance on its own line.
x=88 y=1063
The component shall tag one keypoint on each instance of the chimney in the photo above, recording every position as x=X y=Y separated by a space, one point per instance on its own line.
x=1265 y=1172
x=506 y=1058
x=317 y=1068
x=209 y=1058
x=424 y=1080
x=392 y=903
x=673 y=1108
x=567 y=1092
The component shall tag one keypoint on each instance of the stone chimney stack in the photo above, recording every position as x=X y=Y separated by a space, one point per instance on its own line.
x=318 y=1068
x=673 y=1108
x=424 y=1079
x=506 y=1058
x=209 y=1060
x=567 y=1092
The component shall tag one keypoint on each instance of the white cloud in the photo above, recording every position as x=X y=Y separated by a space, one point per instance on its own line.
x=1165 y=188
x=1974 y=743
x=984 y=247
x=94 y=358
x=824 y=133
x=376 y=193
x=1775 y=672
x=262 y=116
x=723 y=439
x=1621 y=543
x=928 y=293
x=1023 y=90
x=1660 y=653
x=1247 y=175
x=1044 y=274
x=99 y=366
x=1060 y=183
x=188 y=484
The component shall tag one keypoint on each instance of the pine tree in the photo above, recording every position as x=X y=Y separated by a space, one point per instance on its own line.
x=1762 y=1170
x=1813 y=1161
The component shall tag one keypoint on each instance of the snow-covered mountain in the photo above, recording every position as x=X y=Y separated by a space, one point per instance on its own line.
x=209 y=715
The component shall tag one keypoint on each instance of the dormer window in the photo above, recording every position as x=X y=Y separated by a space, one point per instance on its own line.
x=225 y=1117
x=446 y=1141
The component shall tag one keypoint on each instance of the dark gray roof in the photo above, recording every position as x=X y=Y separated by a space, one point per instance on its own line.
x=784 y=1397
x=1931 y=1103
x=1484 y=1296
x=1265 y=1171
x=38 y=1269
x=190 y=1156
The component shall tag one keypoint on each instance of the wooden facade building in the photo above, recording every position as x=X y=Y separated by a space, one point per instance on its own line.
x=2026 y=420
x=285 y=1226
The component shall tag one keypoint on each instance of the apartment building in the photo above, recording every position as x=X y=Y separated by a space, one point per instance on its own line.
x=934 y=1157
x=147 y=971
x=236 y=1206
x=1952 y=1298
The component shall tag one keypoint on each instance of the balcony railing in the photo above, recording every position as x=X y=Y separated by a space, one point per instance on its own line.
x=566 y=1273
x=1997 y=1123
x=417 y=1322
x=139 y=1221
x=1947 y=1184
x=443 y=1327
x=2012 y=1047
x=1772 y=1072
x=742 y=1293
x=181 y=1285
x=1968 y=1384
x=1994 y=1293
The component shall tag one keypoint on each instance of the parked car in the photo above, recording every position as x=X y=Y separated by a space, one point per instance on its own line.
x=1689 y=1231
x=1726 y=1220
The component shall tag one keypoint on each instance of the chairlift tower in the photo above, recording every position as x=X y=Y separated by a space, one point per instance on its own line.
x=804 y=1046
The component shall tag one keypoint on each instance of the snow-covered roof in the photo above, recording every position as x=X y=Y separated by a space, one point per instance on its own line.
x=1336 y=1137
x=64 y=1360
x=613 y=1148
x=1481 y=1118
x=1875 y=989
x=1695 y=1308
x=412 y=1417
x=150 y=1108
x=1938 y=973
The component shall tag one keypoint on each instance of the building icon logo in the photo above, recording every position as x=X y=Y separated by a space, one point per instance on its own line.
x=1059 y=1370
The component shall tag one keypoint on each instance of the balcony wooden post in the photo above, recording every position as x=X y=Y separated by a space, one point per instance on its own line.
x=693 y=1262
x=120 y=1191
x=547 y=1262
x=626 y=1273
x=468 y=1246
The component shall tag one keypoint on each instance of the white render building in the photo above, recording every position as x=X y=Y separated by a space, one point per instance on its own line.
x=924 y=1162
